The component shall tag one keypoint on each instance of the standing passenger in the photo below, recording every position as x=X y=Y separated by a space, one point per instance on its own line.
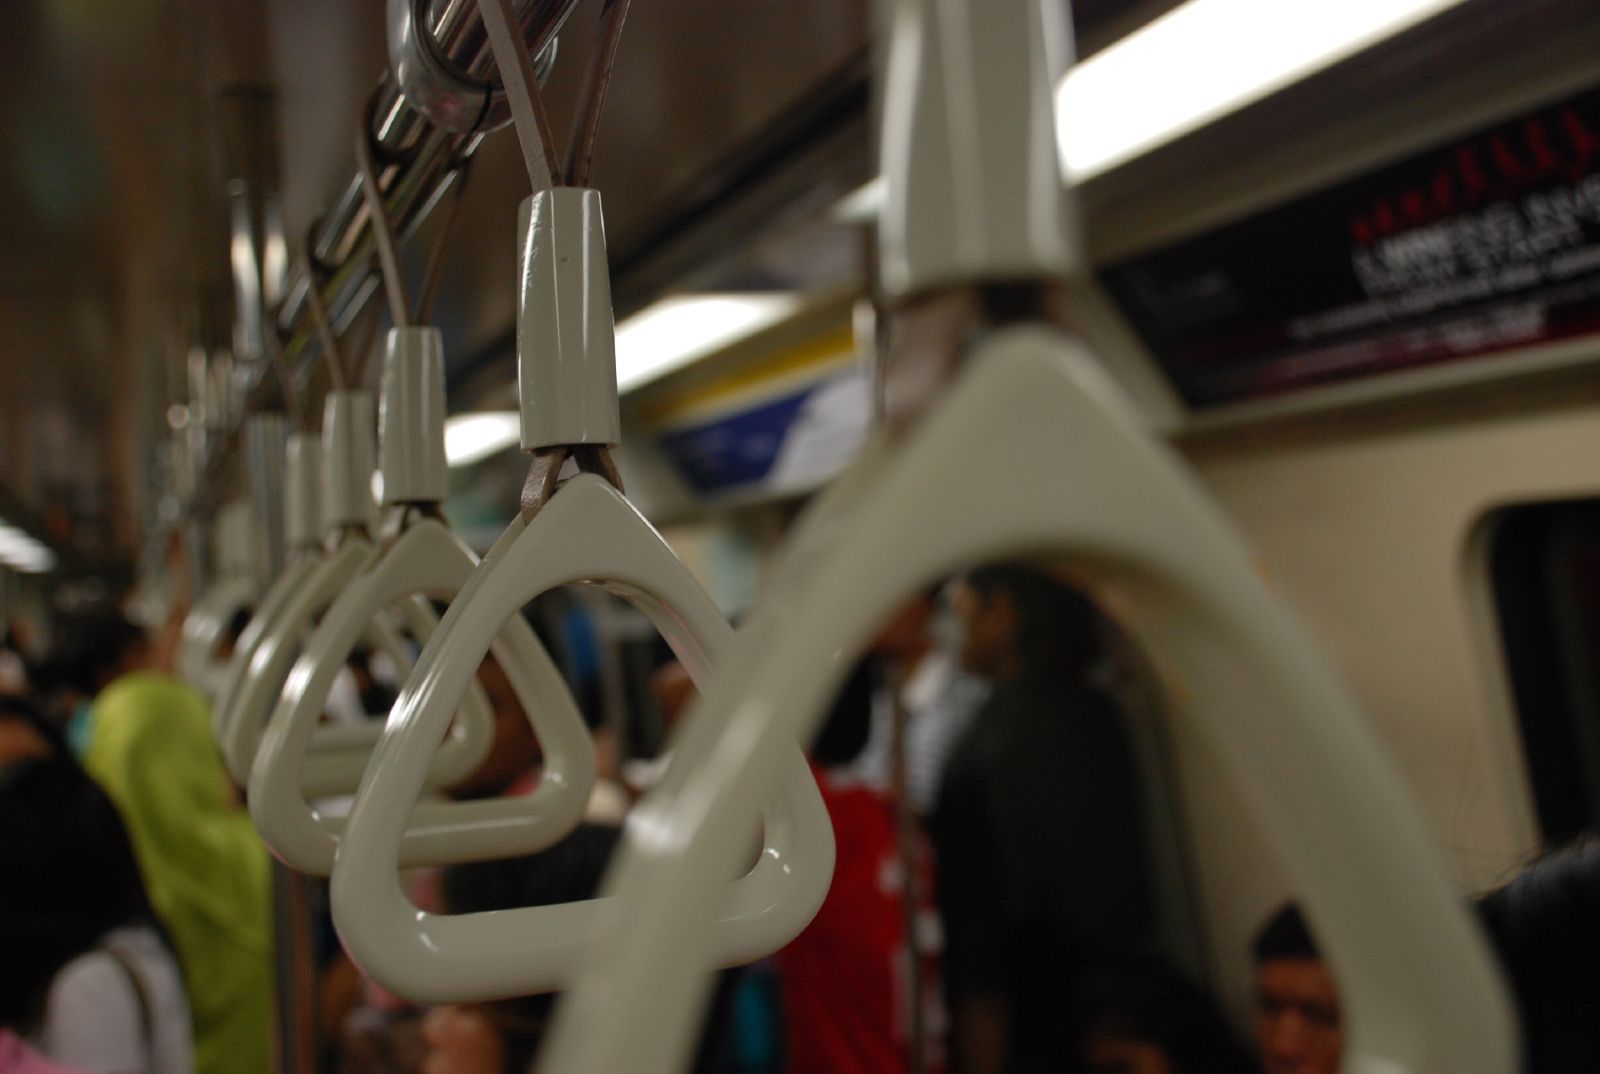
x=1545 y=926
x=501 y=1036
x=24 y=732
x=846 y=979
x=73 y=912
x=25 y=980
x=1041 y=852
x=1143 y=1017
x=921 y=674
x=1298 y=1027
x=205 y=867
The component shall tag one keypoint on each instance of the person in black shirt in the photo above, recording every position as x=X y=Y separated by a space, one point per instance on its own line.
x=1039 y=834
x=1545 y=928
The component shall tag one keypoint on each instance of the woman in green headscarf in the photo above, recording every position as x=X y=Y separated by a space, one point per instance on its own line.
x=205 y=866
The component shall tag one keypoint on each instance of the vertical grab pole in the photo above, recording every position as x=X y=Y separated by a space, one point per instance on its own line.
x=905 y=830
x=294 y=968
x=295 y=971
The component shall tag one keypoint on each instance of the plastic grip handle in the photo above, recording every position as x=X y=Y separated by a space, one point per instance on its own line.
x=969 y=146
x=267 y=612
x=349 y=457
x=203 y=630
x=567 y=365
x=302 y=491
x=427 y=558
x=339 y=752
x=236 y=544
x=587 y=532
x=273 y=655
x=270 y=657
x=1082 y=483
x=411 y=415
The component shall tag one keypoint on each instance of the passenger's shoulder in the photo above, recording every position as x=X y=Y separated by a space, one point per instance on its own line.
x=94 y=981
x=89 y=970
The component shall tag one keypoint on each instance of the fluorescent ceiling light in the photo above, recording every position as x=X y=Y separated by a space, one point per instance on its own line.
x=668 y=335
x=41 y=563
x=1194 y=65
x=676 y=332
x=1204 y=59
x=470 y=437
x=24 y=553
x=861 y=205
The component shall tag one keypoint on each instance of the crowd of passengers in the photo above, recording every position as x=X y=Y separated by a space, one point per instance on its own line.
x=991 y=912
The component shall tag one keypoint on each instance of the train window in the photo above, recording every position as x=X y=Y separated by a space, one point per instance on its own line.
x=1544 y=564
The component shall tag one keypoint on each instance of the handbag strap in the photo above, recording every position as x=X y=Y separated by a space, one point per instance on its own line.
x=141 y=997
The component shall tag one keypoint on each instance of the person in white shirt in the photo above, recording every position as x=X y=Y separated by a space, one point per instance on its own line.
x=919 y=670
x=120 y=1007
x=73 y=910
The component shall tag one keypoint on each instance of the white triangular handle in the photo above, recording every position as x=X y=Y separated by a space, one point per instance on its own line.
x=339 y=751
x=333 y=740
x=587 y=532
x=267 y=611
x=1034 y=453
x=424 y=559
x=273 y=655
x=204 y=628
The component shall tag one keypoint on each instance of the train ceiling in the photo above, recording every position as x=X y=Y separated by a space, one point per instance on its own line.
x=730 y=125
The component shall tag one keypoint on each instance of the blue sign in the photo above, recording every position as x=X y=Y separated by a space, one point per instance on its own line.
x=790 y=443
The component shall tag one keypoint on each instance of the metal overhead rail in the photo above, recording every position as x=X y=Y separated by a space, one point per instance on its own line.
x=438 y=99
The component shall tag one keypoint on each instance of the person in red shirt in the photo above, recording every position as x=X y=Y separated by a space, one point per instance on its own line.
x=845 y=980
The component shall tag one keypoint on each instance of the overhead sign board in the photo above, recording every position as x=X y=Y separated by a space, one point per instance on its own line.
x=1486 y=244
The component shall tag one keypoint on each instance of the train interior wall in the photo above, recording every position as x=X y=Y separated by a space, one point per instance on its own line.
x=1372 y=522
x=1372 y=525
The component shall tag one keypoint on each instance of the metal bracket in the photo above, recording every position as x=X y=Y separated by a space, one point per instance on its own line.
x=347 y=455
x=566 y=357
x=544 y=476
x=411 y=417
x=433 y=85
x=969 y=147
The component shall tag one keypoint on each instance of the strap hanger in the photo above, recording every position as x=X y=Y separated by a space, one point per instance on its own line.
x=581 y=530
x=302 y=483
x=234 y=590
x=347 y=456
x=968 y=102
x=302 y=535
x=586 y=532
x=417 y=555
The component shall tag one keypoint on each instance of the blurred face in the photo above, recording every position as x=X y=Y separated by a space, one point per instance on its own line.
x=906 y=635
x=989 y=631
x=461 y=1040
x=673 y=690
x=136 y=657
x=18 y=740
x=1297 y=1017
x=515 y=750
